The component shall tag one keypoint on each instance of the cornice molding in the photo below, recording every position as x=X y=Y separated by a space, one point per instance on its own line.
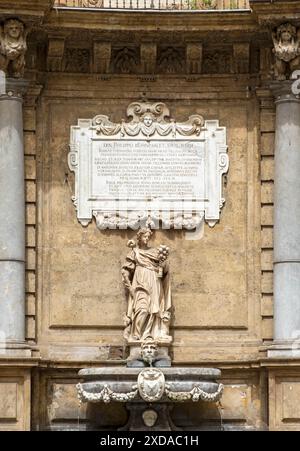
x=274 y=12
x=31 y=12
x=151 y=21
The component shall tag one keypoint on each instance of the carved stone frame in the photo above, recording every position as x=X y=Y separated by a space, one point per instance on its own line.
x=179 y=214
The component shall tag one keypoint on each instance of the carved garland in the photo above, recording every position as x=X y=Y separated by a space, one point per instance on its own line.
x=195 y=395
x=107 y=395
x=157 y=112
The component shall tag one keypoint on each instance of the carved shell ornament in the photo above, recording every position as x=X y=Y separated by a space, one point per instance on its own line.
x=148 y=119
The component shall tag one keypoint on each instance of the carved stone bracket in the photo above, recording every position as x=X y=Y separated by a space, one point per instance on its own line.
x=13 y=88
x=56 y=51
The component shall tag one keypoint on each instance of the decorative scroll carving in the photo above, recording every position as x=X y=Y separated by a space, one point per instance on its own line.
x=286 y=40
x=140 y=191
x=13 y=48
x=106 y=395
x=133 y=219
x=296 y=84
x=148 y=119
x=93 y=3
x=195 y=395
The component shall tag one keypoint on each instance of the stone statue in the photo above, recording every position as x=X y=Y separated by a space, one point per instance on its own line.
x=286 y=41
x=13 y=48
x=145 y=274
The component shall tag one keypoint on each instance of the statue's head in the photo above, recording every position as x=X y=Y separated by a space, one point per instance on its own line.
x=13 y=28
x=144 y=235
x=286 y=33
x=148 y=119
x=149 y=350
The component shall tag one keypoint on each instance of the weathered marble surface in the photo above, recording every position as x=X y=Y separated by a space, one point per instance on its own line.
x=149 y=384
x=286 y=221
x=12 y=213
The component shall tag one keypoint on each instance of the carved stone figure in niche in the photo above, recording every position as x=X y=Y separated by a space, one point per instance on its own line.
x=286 y=41
x=145 y=274
x=126 y=61
x=171 y=61
x=217 y=62
x=77 y=60
x=13 y=48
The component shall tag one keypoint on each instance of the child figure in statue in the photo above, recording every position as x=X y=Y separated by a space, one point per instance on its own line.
x=145 y=274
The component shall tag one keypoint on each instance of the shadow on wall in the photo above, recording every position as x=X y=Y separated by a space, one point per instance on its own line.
x=187 y=416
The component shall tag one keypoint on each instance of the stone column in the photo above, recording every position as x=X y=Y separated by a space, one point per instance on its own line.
x=12 y=216
x=286 y=222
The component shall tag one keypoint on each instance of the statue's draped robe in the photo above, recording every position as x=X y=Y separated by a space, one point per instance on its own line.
x=150 y=297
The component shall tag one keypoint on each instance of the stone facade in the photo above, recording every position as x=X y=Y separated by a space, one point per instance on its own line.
x=219 y=65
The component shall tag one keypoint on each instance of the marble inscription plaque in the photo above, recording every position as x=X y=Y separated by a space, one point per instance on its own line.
x=142 y=169
x=149 y=170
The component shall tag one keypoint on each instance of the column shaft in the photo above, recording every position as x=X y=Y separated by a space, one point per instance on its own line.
x=12 y=220
x=287 y=215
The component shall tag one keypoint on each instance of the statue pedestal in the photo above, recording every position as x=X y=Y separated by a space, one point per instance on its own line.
x=149 y=393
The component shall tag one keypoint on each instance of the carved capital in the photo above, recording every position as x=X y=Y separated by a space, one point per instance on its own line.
x=12 y=89
x=283 y=92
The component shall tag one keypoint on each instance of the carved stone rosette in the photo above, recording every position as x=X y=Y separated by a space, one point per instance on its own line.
x=136 y=173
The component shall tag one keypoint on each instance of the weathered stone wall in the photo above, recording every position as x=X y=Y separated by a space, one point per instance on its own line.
x=267 y=138
x=222 y=284
x=215 y=280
